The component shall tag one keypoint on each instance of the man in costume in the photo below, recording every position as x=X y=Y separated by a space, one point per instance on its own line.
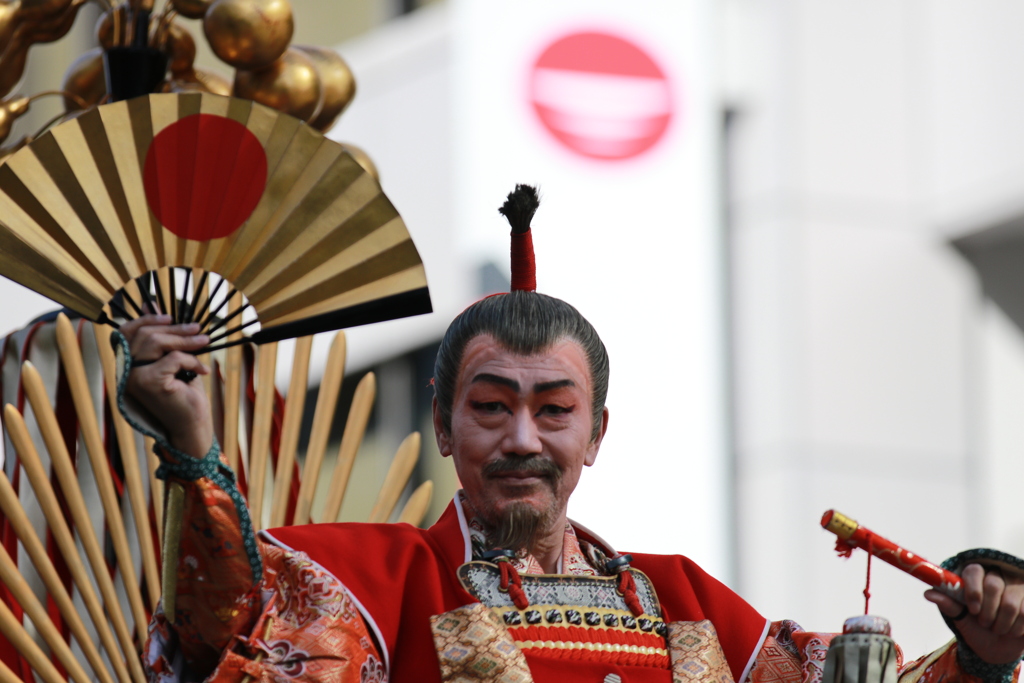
x=503 y=587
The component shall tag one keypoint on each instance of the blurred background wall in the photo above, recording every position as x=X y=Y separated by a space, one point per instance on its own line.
x=855 y=337
x=870 y=146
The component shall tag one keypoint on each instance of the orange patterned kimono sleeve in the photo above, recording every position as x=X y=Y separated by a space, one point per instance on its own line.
x=216 y=594
x=309 y=630
x=790 y=655
x=299 y=622
x=943 y=665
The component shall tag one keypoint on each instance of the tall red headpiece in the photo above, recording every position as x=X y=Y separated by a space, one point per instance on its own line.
x=519 y=208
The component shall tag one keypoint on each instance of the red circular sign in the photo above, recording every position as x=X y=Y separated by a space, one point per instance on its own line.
x=601 y=95
x=204 y=175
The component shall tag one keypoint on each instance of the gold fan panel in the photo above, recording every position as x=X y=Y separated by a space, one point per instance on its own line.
x=404 y=281
x=74 y=207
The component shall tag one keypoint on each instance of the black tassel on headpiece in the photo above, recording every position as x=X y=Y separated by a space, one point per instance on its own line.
x=519 y=208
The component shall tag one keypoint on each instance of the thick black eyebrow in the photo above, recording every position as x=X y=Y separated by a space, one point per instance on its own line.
x=538 y=388
x=496 y=379
x=541 y=387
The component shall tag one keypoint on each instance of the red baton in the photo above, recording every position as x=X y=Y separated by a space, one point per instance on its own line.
x=853 y=535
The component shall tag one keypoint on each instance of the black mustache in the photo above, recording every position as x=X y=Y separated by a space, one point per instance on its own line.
x=532 y=466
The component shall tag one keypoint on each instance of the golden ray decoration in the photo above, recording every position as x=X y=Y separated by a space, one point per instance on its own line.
x=91 y=578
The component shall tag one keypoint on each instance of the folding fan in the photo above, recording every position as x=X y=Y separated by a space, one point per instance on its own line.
x=113 y=210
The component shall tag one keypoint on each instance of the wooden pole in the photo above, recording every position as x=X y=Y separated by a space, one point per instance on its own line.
x=68 y=478
x=293 y=407
x=416 y=507
x=355 y=429
x=323 y=416
x=398 y=476
x=74 y=371
x=263 y=415
x=8 y=676
x=40 y=482
x=33 y=546
x=132 y=473
x=22 y=641
x=19 y=588
x=232 y=399
x=232 y=396
x=156 y=488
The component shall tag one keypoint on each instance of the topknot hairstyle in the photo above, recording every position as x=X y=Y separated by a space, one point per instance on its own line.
x=522 y=321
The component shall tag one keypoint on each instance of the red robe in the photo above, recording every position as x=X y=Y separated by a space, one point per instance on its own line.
x=401 y=576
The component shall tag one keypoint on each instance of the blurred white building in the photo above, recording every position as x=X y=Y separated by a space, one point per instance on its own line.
x=875 y=370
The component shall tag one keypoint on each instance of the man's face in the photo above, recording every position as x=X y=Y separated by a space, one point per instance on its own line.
x=521 y=427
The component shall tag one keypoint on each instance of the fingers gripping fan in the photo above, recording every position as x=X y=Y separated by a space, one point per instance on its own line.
x=216 y=210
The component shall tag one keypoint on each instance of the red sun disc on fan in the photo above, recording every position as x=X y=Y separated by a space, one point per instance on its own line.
x=204 y=175
x=601 y=96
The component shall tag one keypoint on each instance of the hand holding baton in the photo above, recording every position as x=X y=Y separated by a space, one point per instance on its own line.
x=853 y=535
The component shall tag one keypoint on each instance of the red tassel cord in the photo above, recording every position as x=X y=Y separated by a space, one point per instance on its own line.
x=511 y=582
x=519 y=208
x=627 y=586
x=524 y=264
x=867 y=583
x=846 y=550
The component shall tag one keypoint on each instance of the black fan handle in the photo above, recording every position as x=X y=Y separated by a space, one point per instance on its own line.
x=185 y=376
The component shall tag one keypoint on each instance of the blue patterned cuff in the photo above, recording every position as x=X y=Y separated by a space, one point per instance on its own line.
x=969 y=660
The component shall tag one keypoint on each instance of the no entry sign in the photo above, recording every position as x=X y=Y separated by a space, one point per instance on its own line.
x=601 y=95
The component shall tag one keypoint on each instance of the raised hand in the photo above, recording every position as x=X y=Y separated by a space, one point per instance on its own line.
x=182 y=408
x=992 y=621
